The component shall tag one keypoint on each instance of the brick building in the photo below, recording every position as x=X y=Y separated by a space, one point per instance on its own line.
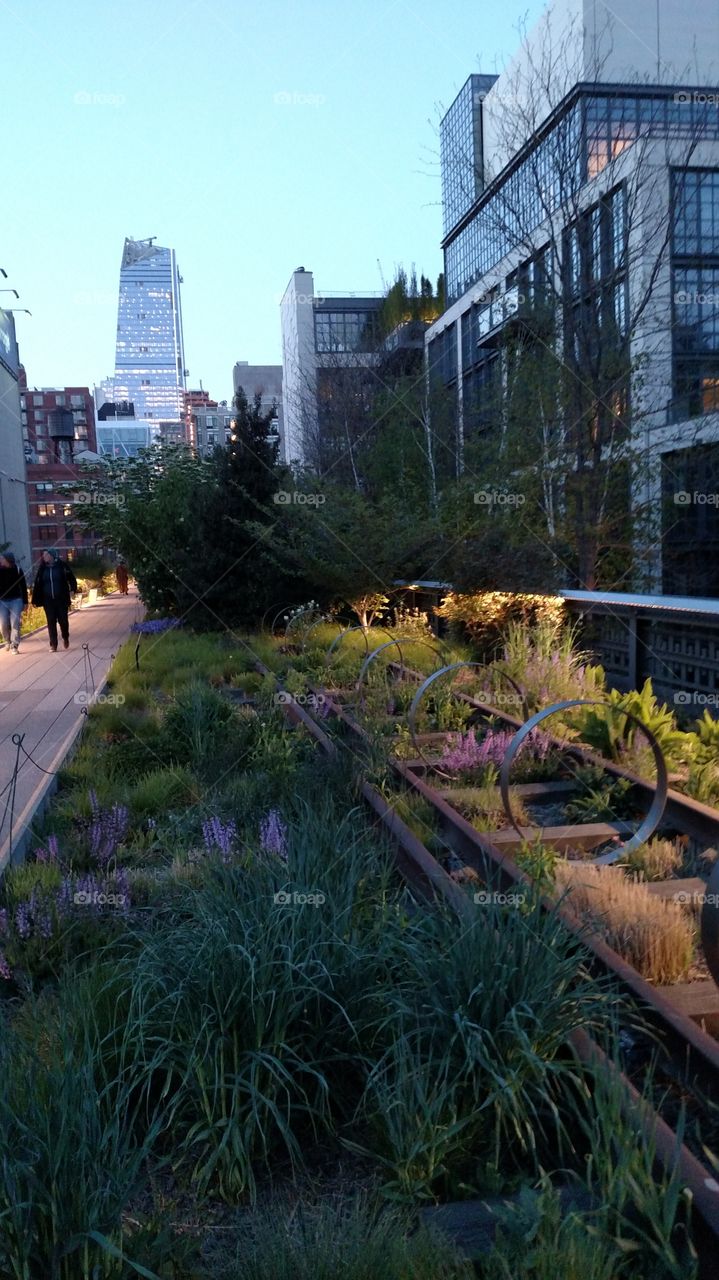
x=59 y=435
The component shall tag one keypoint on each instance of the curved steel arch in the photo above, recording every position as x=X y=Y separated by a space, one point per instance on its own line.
x=649 y=823
x=338 y=639
x=306 y=608
x=371 y=656
x=443 y=671
x=323 y=618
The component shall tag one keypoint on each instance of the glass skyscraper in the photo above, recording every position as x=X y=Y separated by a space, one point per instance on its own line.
x=149 y=353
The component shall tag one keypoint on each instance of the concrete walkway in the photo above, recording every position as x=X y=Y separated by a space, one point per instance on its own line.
x=42 y=695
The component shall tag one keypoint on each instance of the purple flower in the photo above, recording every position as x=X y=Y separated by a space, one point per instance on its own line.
x=155 y=626
x=273 y=835
x=22 y=920
x=3 y=922
x=219 y=835
x=5 y=970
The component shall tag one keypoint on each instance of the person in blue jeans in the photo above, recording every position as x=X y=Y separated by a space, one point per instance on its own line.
x=13 y=599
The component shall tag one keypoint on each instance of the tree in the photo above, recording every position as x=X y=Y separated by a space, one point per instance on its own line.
x=189 y=527
x=346 y=548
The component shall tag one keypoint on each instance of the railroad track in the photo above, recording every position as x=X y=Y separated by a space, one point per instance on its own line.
x=693 y=1053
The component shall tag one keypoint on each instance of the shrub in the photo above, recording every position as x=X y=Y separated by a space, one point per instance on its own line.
x=610 y=731
x=485 y=615
x=161 y=790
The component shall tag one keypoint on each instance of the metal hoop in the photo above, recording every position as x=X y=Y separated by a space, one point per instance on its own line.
x=324 y=618
x=338 y=639
x=274 y=620
x=371 y=656
x=443 y=671
x=306 y=608
x=649 y=823
x=264 y=616
x=710 y=923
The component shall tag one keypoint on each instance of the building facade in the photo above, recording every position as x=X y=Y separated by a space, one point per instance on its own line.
x=59 y=435
x=208 y=423
x=14 y=526
x=150 y=368
x=330 y=344
x=264 y=380
x=599 y=198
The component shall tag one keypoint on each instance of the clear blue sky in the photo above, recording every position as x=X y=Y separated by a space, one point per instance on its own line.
x=164 y=120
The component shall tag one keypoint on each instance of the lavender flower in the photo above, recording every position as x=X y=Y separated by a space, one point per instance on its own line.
x=273 y=835
x=155 y=626
x=5 y=970
x=22 y=920
x=219 y=835
x=3 y=923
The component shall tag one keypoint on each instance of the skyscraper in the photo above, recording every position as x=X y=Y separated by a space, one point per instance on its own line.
x=149 y=352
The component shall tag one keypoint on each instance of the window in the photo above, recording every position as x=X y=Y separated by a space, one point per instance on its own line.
x=67 y=509
x=210 y=420
x=47 y=533
x=43 y=486
x=210 y=437
x=46 y=509
x=69 y=533
x=695 y=287
x=77 y=402
x=37 y=401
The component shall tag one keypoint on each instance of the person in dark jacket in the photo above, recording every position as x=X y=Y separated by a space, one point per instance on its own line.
x=53 y=584
x=122 y=577
x=13 y=599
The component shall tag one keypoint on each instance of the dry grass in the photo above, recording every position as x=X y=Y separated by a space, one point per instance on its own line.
x=657 y=860
x=656 y=937
x=483 y=807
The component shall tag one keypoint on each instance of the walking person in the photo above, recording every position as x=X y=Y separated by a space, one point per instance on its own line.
x=122 y=577
x=13 y=599
x=53 y=584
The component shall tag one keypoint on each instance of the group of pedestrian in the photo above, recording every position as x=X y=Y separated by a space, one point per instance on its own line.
x=52 y=590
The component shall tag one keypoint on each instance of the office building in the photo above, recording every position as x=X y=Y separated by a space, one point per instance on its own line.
x=14 y=527
x=587 y=203
x=329 y=348
x=264 y=380
x=150 y=368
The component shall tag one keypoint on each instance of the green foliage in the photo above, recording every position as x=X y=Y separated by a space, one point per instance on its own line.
x=601 y=798
x=354 y=1240
x=610 y=731
x=69 y=1165
x=539 y=862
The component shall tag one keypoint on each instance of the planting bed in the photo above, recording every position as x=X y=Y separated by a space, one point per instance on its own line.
x=236 y=1043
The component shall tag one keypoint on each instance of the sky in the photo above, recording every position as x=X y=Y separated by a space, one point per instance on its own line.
x=251 y=137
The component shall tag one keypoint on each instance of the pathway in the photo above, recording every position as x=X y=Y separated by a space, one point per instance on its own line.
x=42 y=695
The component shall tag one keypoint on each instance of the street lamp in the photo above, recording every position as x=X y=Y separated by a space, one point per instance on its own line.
x=3 y=273
x=17 y=295
x=17 y=310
